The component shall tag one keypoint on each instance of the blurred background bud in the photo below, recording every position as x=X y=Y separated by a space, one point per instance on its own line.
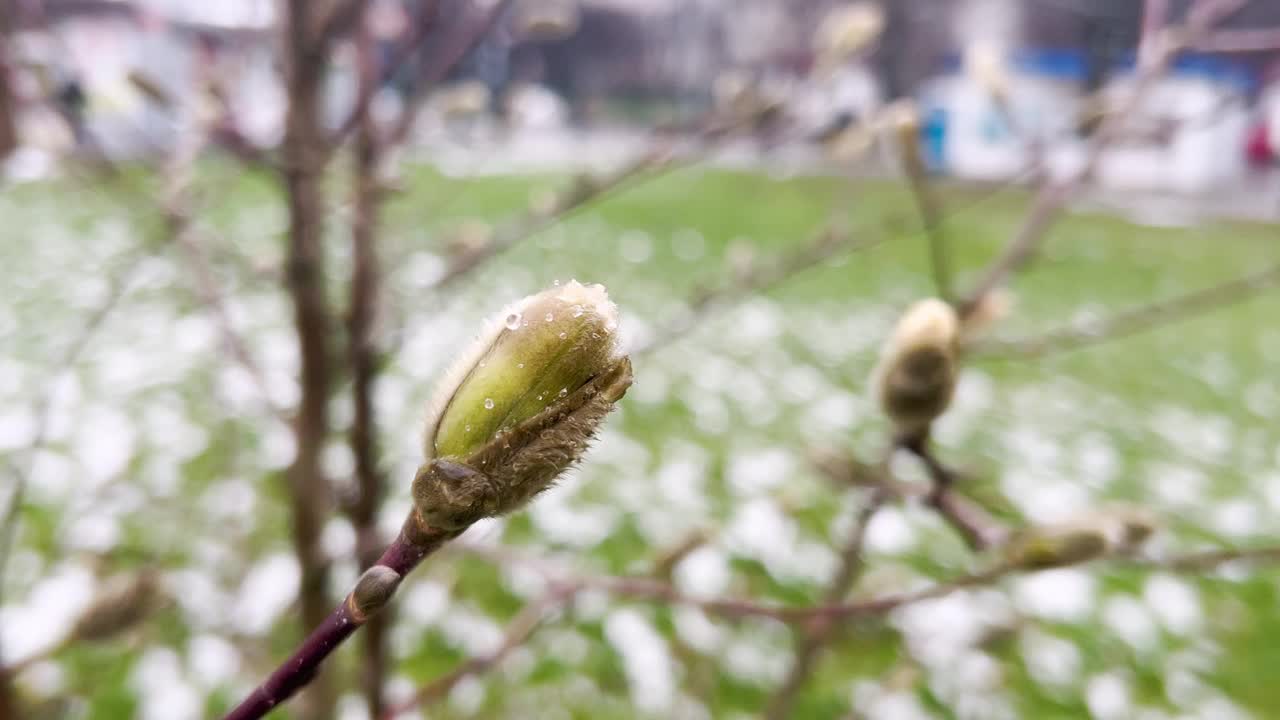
x=1059 y=545
x=547 y=20
x=916 y=376
x=124 y=602
x=847 y=30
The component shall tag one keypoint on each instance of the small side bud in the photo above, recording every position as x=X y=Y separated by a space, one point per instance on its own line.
x=847 y=30
x=547 y=20
x=1053 y=546
x=916 y=377
x=986 y=312
x=902 y=120
x=522 y=406
x=372 y=592
x=125 y=602
x=742 y=98
x=469 y=238
x=985 y=65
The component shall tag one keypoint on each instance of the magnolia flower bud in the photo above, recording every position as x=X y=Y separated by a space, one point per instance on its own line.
x=916 y=376
x=1053 y=546
x=846 y=30
x=522 y=406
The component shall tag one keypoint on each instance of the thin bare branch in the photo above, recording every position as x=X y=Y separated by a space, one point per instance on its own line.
x=1144 y=318
x=180 y=216
x=979 y=530
x=17 y=496
x=1033 y=232
x=584 y=191
x=828 y=243
x=518 y=631
x=653 y=590
x=1199 y=562
x=410 y=44
x=930 y=207
x=815 y=636
x=1241 y=41
x=439 y=65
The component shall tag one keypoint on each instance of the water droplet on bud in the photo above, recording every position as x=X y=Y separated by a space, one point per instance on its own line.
x=513 y=321
x=550 y=317
x=577 y=311
x=488 y=403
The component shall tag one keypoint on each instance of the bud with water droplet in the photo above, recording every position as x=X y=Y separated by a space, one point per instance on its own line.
x=521 y=406
x=916 y=376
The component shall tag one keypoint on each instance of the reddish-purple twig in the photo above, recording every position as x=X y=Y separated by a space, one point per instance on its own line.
x=375 y=588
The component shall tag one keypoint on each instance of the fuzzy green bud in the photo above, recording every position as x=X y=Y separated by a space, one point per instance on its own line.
x=536 y=353
x=522 y=406
x=916 y=377
x=1053 y=546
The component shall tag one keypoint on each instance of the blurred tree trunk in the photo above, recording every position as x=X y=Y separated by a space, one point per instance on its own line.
x=304 y=155
x=8 y=103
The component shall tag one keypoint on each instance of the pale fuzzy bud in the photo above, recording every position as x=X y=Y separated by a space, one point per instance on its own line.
x=547 y=20
x=521 y=406
x=504 y=474
x=847 y=30
x=916 y=376
x=466 y=98
x=469 y=238
x=901 y=119
x=1126 y=526
x=532 y=354
x=989 y=310
x=851 y=143
x=740 y=97
x=985 y=65
x=1062 y=545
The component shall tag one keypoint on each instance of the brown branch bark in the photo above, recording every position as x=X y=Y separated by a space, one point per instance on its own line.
x=303 y=155
x=8 y=98
x=1137 y=320
x=404 y=50
x=438 y=66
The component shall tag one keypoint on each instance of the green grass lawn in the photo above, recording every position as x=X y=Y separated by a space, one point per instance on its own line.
x=161 y=439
